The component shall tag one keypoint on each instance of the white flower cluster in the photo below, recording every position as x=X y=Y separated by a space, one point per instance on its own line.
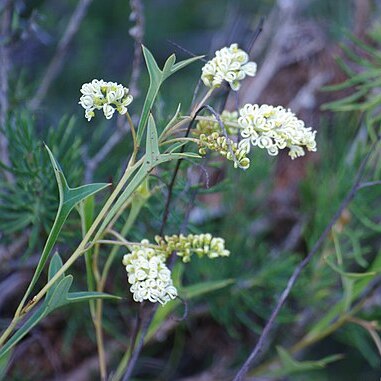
x=274 y=128
x=230 y=64
x=148 y=275
x=106 y=96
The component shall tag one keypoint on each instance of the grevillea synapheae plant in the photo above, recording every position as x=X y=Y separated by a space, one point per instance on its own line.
x=232 y=135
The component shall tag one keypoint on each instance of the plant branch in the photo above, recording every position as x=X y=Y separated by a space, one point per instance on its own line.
x=58 y=59
x=137 y=33
x=4 y=104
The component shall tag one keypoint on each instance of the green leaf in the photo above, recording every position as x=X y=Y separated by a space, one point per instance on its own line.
x=290 y=366
x=167 y=69
x=68 y=199
x=74 y=297
x=180 y=65
x=345 y=103
x=57 y=296
x=157 y=77
x=203 y=288
x=22 y=331
x=335 y=312
x=347 y=274
x=176 y=156
x=86 y=211
x=189 y=292
x=152 y=144
x=4 y=360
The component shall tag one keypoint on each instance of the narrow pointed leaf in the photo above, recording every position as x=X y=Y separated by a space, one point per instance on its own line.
x=167 y=69
x=290 y=366
x=59 y=295
x=152 y=144
x=156 y=79
x=23 y=330
x=68 y=198
x=189 y=292
x=74 y=297
x=180 y=65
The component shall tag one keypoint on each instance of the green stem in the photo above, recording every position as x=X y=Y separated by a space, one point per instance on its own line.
x=80 y=249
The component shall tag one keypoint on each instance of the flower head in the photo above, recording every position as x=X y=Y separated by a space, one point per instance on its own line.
x=106 y=96
x=200 y=244
x=230 y=64
x=148 y=275
x=274 y=128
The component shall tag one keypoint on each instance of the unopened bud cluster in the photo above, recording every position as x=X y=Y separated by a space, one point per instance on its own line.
x=230 y=64
x=148 y=275
x=186 y=246
x=229 y=120
x=106 y=96
x=225 y=147
x=274 y=128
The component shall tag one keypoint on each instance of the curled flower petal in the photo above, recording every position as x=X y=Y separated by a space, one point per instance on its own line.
x=106 y=96
x=274 y=128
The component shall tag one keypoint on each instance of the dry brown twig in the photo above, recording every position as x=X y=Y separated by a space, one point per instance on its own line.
x=58 y=59
x=4 y=69
x=137 y=33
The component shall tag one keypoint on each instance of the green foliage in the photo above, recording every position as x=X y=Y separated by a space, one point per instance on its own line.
x=68 y=199
x=363 y=82
x=57 y=296
x=157 y=77
x=31 y=201
x=290 y=366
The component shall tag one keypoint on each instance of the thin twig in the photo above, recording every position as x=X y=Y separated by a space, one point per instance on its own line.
x=137 y=33
x=369 y=184
x=295 y=275
x=138 y=347
x=4 y=105
x=58 y=59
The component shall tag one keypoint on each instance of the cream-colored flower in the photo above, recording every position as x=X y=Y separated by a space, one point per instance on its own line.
x=148 y=275
x=106 y=96
x=230 y=64
x=108 y=111
x=274 y=128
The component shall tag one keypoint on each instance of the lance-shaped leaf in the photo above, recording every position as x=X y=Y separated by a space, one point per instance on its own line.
x=152 y=143
x=157 y=77
x=188 y=293
x=290 y=366
x=57 y=296
x=68 y=199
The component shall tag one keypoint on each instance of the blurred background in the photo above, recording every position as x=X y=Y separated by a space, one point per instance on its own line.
x=318 y=57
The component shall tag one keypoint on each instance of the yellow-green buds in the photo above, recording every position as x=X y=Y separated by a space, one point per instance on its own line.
x=148 y=275
x=225 y=147
x=274 y=128
x=230 y=64
x=229 y=120
x=106 y=96
x=200 y=244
